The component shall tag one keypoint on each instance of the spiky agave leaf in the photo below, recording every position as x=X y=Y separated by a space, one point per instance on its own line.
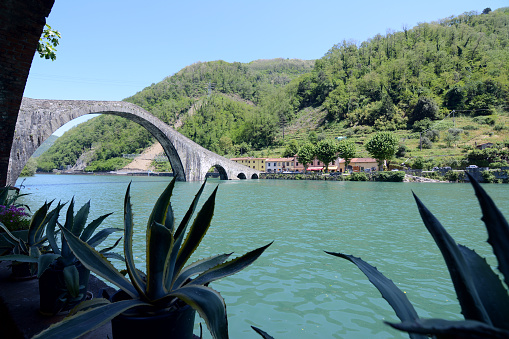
x=264 y=334
x=465 y=329
x=136 y=279
x=470 y=302
x=497 y=227
x=160 y=243
x=489 y=287
x=86 y=321
x=197 y=231
x=390 y=292
x=96 y=263
x=162 y=211
x=229 y=268
x=173 y=272
x=80 y=219
x=209 y=304
x=90 y=229
x=198 y=267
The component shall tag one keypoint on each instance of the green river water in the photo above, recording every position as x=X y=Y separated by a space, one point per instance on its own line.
x=295 y=290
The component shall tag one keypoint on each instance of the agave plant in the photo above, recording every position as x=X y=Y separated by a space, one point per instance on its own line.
x=483 y=298
x=29 y=250
x=167 y=280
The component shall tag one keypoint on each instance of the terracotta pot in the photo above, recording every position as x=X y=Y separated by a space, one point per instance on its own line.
x=53 y=294
x=174 y=324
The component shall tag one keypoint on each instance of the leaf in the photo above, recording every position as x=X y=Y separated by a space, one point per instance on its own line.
x=264 y=334
x=489 y=287
x=72 y=280
x=37 y=221
x=100 y=236
x=86 y=321
x=197 y=231
x=44 y=261
x=471 y=305
x=465 y=329
x=134 y=275
x=160 y=242
x=18 y=257
x=198 y=267
x=90 y=229
x=173 y=271
x=50 y=229
x=390 y=292
x=497 y=227
x=69 y=224
x=209 y=304
x=230 y=267
x=81 y=219
x=96 y=263
x=162 y=211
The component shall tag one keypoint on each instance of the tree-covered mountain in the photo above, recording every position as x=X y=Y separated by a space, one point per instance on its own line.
x=397 y=81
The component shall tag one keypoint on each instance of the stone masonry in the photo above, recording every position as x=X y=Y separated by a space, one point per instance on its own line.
x=38 y=119
x=21 y=25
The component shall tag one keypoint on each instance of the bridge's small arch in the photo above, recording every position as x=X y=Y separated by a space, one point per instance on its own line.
x=254 y=176
x=241 y=176
x=222 y=172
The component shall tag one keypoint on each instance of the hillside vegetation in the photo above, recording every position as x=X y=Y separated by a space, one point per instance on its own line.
x=445 y=81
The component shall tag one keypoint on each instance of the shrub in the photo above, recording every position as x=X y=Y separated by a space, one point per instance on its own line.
x=499 y=127
x=392 y=176
x=488 y=176
x=426 y=143
x=358 y=176
x=470 y=128
x=454 y=176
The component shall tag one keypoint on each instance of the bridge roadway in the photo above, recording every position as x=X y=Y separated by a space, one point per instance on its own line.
x=39 y=118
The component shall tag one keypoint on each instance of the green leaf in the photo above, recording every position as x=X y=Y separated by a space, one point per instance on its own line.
x=72 y=280
x=90 y=229
x=489 y=287
x=497 y=227
x=209 y=304
x=86 y=321
x=134 y=275
x=162 y=211
x=81 y=219
x=390 y=292
x=37 y=222
x=264 y=334
x=471 y=305
x=198 y=267
x=160 y=242
x=12 y=236
x=185 y=221
x=197 y=231
x=96 y=263
x=44 y=261
x=50 y=229
x=100 y=236
x=18 y=257
x=465 y=329
x=69 y=225
x=230 y=267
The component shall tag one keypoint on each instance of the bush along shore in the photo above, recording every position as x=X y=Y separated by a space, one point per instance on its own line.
x=486 y=176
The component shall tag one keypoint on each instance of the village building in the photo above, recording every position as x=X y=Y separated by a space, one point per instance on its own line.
x=255 y=163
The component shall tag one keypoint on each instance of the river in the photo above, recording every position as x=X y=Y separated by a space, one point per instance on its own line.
x=295 y=290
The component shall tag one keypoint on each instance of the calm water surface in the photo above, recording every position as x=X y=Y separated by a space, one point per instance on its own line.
x=295 y=290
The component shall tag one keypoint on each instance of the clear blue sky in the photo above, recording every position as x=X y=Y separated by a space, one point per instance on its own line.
x=112 y=49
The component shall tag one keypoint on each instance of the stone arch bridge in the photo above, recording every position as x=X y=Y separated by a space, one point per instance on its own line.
x=38 y=119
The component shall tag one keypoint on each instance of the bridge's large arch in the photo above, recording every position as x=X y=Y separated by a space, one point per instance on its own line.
x=38 y=119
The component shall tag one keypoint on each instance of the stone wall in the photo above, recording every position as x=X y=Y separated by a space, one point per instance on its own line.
x=21 y=25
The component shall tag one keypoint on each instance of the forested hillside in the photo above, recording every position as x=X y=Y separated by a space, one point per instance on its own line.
x=398 y=81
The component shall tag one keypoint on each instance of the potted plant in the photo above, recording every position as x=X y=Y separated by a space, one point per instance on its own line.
x=25 y=248
x=168 y=288
x=63 y=280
